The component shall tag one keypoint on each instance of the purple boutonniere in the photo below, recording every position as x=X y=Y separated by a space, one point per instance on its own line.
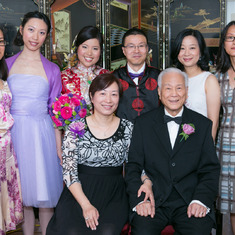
x=188 y=129
x=78 y=129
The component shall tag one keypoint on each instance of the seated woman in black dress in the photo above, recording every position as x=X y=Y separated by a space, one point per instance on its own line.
x=94 y=200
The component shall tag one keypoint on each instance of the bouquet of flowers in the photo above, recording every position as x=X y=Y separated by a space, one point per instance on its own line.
x=67 y=109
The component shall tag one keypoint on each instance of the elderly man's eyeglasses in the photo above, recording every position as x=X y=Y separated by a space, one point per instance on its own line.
x=3 y=43
x=132 y=47
x=229 y=38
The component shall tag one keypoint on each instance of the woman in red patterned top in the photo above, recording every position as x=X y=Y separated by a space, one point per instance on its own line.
x=77 y=79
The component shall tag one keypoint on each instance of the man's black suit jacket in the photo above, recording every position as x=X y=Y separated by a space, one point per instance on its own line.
x=191 y=167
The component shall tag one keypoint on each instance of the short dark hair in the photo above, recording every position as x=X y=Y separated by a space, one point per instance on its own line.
x=86 y=33
x=203 y=62
x=103 y=81
x=133 y=31
x=3 y=65
x=223 y=62
x=35 y=14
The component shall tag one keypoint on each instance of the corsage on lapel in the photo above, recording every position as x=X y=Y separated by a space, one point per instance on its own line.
x=188 y=129
x=78 y=129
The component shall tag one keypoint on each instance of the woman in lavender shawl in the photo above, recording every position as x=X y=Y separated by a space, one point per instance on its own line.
x=34 y=83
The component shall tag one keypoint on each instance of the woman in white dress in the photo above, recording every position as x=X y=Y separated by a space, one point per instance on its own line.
x=190 y=54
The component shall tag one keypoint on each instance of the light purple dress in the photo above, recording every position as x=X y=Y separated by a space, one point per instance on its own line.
x=33 y=135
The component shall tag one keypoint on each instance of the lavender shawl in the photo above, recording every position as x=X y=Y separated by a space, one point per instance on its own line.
x=53 y=75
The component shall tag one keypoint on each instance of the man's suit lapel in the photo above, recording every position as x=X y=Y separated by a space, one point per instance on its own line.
x=186 y=119
x=161 y=131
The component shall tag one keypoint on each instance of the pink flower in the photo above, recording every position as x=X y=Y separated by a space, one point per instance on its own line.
x=55 y=112
x=66 y=112
x=56 y=121
x=187 y=129
x=75 y=101
x=64 y=99
x=57 y=105
x=82 y=113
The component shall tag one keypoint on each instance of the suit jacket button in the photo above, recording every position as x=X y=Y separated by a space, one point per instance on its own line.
x=173 y=164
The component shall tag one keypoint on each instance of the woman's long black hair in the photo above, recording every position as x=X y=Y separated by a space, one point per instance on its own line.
x=223 y=62
x=204 y=54
x=3 y=65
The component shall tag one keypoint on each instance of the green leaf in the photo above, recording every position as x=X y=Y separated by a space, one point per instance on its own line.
x=67 y=122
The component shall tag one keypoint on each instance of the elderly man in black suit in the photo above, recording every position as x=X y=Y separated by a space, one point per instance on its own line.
x=175 y=147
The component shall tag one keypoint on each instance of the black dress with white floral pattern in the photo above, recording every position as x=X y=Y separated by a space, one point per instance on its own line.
x=90 y=151
x=106 y=192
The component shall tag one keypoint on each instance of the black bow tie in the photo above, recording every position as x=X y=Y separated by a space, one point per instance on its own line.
x=177 y=120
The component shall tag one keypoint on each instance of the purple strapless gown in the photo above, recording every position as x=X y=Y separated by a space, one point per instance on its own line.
x=34 y=142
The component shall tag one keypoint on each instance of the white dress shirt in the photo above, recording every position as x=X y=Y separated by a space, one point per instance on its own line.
x=173 y=127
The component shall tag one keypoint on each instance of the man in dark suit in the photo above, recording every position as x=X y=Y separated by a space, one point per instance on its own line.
x=175 y=147
x=139 y=80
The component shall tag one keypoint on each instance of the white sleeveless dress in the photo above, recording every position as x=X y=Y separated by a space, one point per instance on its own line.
x=196 y=100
